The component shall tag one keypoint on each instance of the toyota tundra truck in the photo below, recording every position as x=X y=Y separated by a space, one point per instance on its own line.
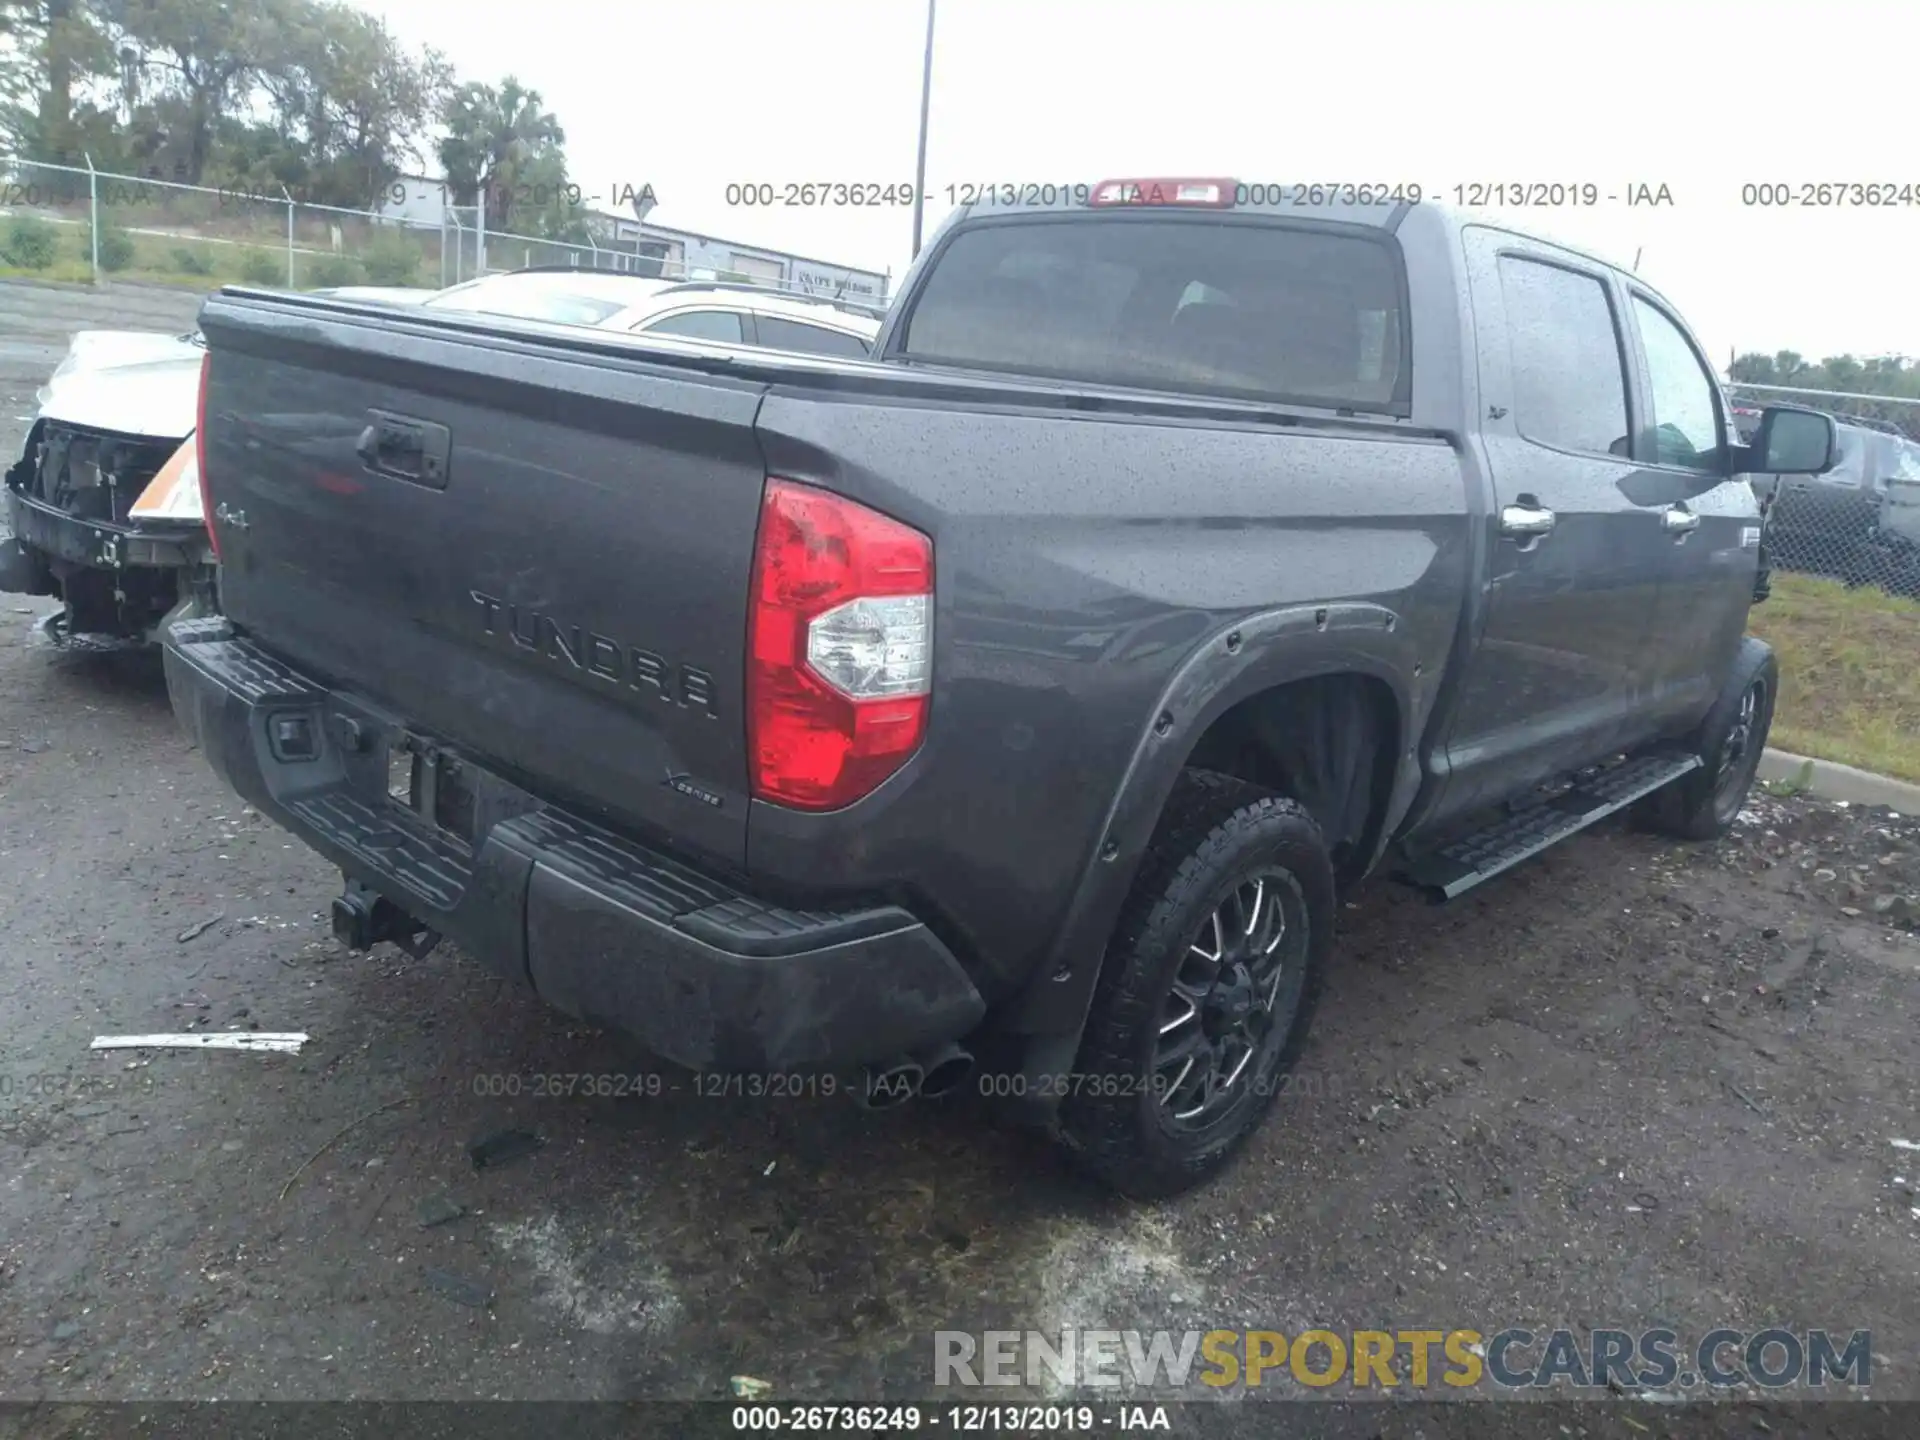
x=1027 y=692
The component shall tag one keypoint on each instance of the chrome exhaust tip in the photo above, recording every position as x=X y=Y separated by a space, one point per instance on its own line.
x=944 y=1070
x=882 y=1087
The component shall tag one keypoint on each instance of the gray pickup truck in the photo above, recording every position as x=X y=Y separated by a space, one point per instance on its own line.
x=1014 y=704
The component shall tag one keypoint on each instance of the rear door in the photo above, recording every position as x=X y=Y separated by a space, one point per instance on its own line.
x=1573 y=570
x=535 y=550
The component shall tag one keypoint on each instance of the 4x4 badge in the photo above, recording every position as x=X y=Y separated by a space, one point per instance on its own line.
x=686 y=787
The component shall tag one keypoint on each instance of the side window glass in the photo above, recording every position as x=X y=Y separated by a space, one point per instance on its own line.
x=722 y=325
x=780 y=334
x=1569 y=380
x=1685 y=420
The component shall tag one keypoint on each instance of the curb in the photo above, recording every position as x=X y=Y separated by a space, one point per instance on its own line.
x=1831 y=780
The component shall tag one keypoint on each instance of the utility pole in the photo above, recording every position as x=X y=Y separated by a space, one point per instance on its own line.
x=920 y=168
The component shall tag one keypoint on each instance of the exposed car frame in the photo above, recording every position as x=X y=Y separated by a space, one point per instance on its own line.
x=103 y=504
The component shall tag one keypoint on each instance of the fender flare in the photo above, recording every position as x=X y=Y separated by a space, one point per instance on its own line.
x=1238 y=660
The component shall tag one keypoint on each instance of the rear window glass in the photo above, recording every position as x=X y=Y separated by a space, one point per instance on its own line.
x=1237 y=309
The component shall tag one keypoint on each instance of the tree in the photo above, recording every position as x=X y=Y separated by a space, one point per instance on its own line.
x=502 y=145
x=48 y=50
x=1784 y=368
x=17 y=88
x=349 y=105
x=307 y=93
x=207 y=56
x=1890 y=375
x=313 y=95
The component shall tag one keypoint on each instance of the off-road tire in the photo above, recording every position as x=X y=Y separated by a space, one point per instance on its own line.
x=1215 y=831
x=1701 y=804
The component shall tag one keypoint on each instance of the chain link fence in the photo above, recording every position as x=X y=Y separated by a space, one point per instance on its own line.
x=66 y=223
x=1859 y=523
x=463 y=244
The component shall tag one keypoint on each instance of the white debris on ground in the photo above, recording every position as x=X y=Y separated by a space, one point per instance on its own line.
x=1103 y=1278
x=286 y=1043
x=599 y=1285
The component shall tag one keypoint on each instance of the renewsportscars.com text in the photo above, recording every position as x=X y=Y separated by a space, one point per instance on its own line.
x=1509 y=1359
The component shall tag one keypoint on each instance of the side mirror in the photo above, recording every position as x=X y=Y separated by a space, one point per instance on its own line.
x=1791 y=441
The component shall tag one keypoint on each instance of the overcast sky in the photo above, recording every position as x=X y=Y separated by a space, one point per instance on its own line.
x=1697 y=96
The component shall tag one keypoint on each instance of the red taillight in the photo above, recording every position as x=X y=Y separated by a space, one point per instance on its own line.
x=1213 y=192
x=200 y=436
x=840 y=647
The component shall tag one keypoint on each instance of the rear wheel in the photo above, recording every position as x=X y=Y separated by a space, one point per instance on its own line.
x=1207 y=991
x=1701 y=805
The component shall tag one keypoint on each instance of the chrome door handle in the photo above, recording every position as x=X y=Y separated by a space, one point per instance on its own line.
x=1525 y=520
x=1679 y=520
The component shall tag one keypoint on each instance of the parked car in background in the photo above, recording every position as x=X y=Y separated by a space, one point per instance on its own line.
x=380 y=294
x=732 y=314
x=103 y=504
x=104 y=501
x=1028 y=691
x=1859 y=521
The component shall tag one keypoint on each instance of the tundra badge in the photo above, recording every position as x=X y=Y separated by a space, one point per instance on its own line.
x=591 y=653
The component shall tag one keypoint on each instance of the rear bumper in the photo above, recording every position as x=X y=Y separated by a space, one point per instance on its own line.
x=699 y=971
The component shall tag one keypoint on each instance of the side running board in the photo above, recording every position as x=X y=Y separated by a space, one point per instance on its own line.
x=1456 y=866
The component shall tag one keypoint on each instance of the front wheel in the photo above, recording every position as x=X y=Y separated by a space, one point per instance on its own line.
x=1208 y=988
x=1701 y=804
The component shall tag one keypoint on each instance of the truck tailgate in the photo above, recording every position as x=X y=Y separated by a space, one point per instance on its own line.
x=542 y=553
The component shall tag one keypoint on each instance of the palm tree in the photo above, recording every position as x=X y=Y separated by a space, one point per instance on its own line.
x=498 y=138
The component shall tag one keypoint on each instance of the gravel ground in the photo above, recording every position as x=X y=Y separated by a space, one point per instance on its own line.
x=36 y=321
x=1629 y=1084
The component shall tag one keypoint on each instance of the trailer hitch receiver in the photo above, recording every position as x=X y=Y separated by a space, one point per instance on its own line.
x=363 y=918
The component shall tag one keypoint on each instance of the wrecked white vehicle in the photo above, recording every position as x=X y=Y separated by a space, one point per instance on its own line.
x=104 y=502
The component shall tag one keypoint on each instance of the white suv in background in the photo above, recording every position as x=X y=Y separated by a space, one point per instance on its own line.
x=732 y=314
